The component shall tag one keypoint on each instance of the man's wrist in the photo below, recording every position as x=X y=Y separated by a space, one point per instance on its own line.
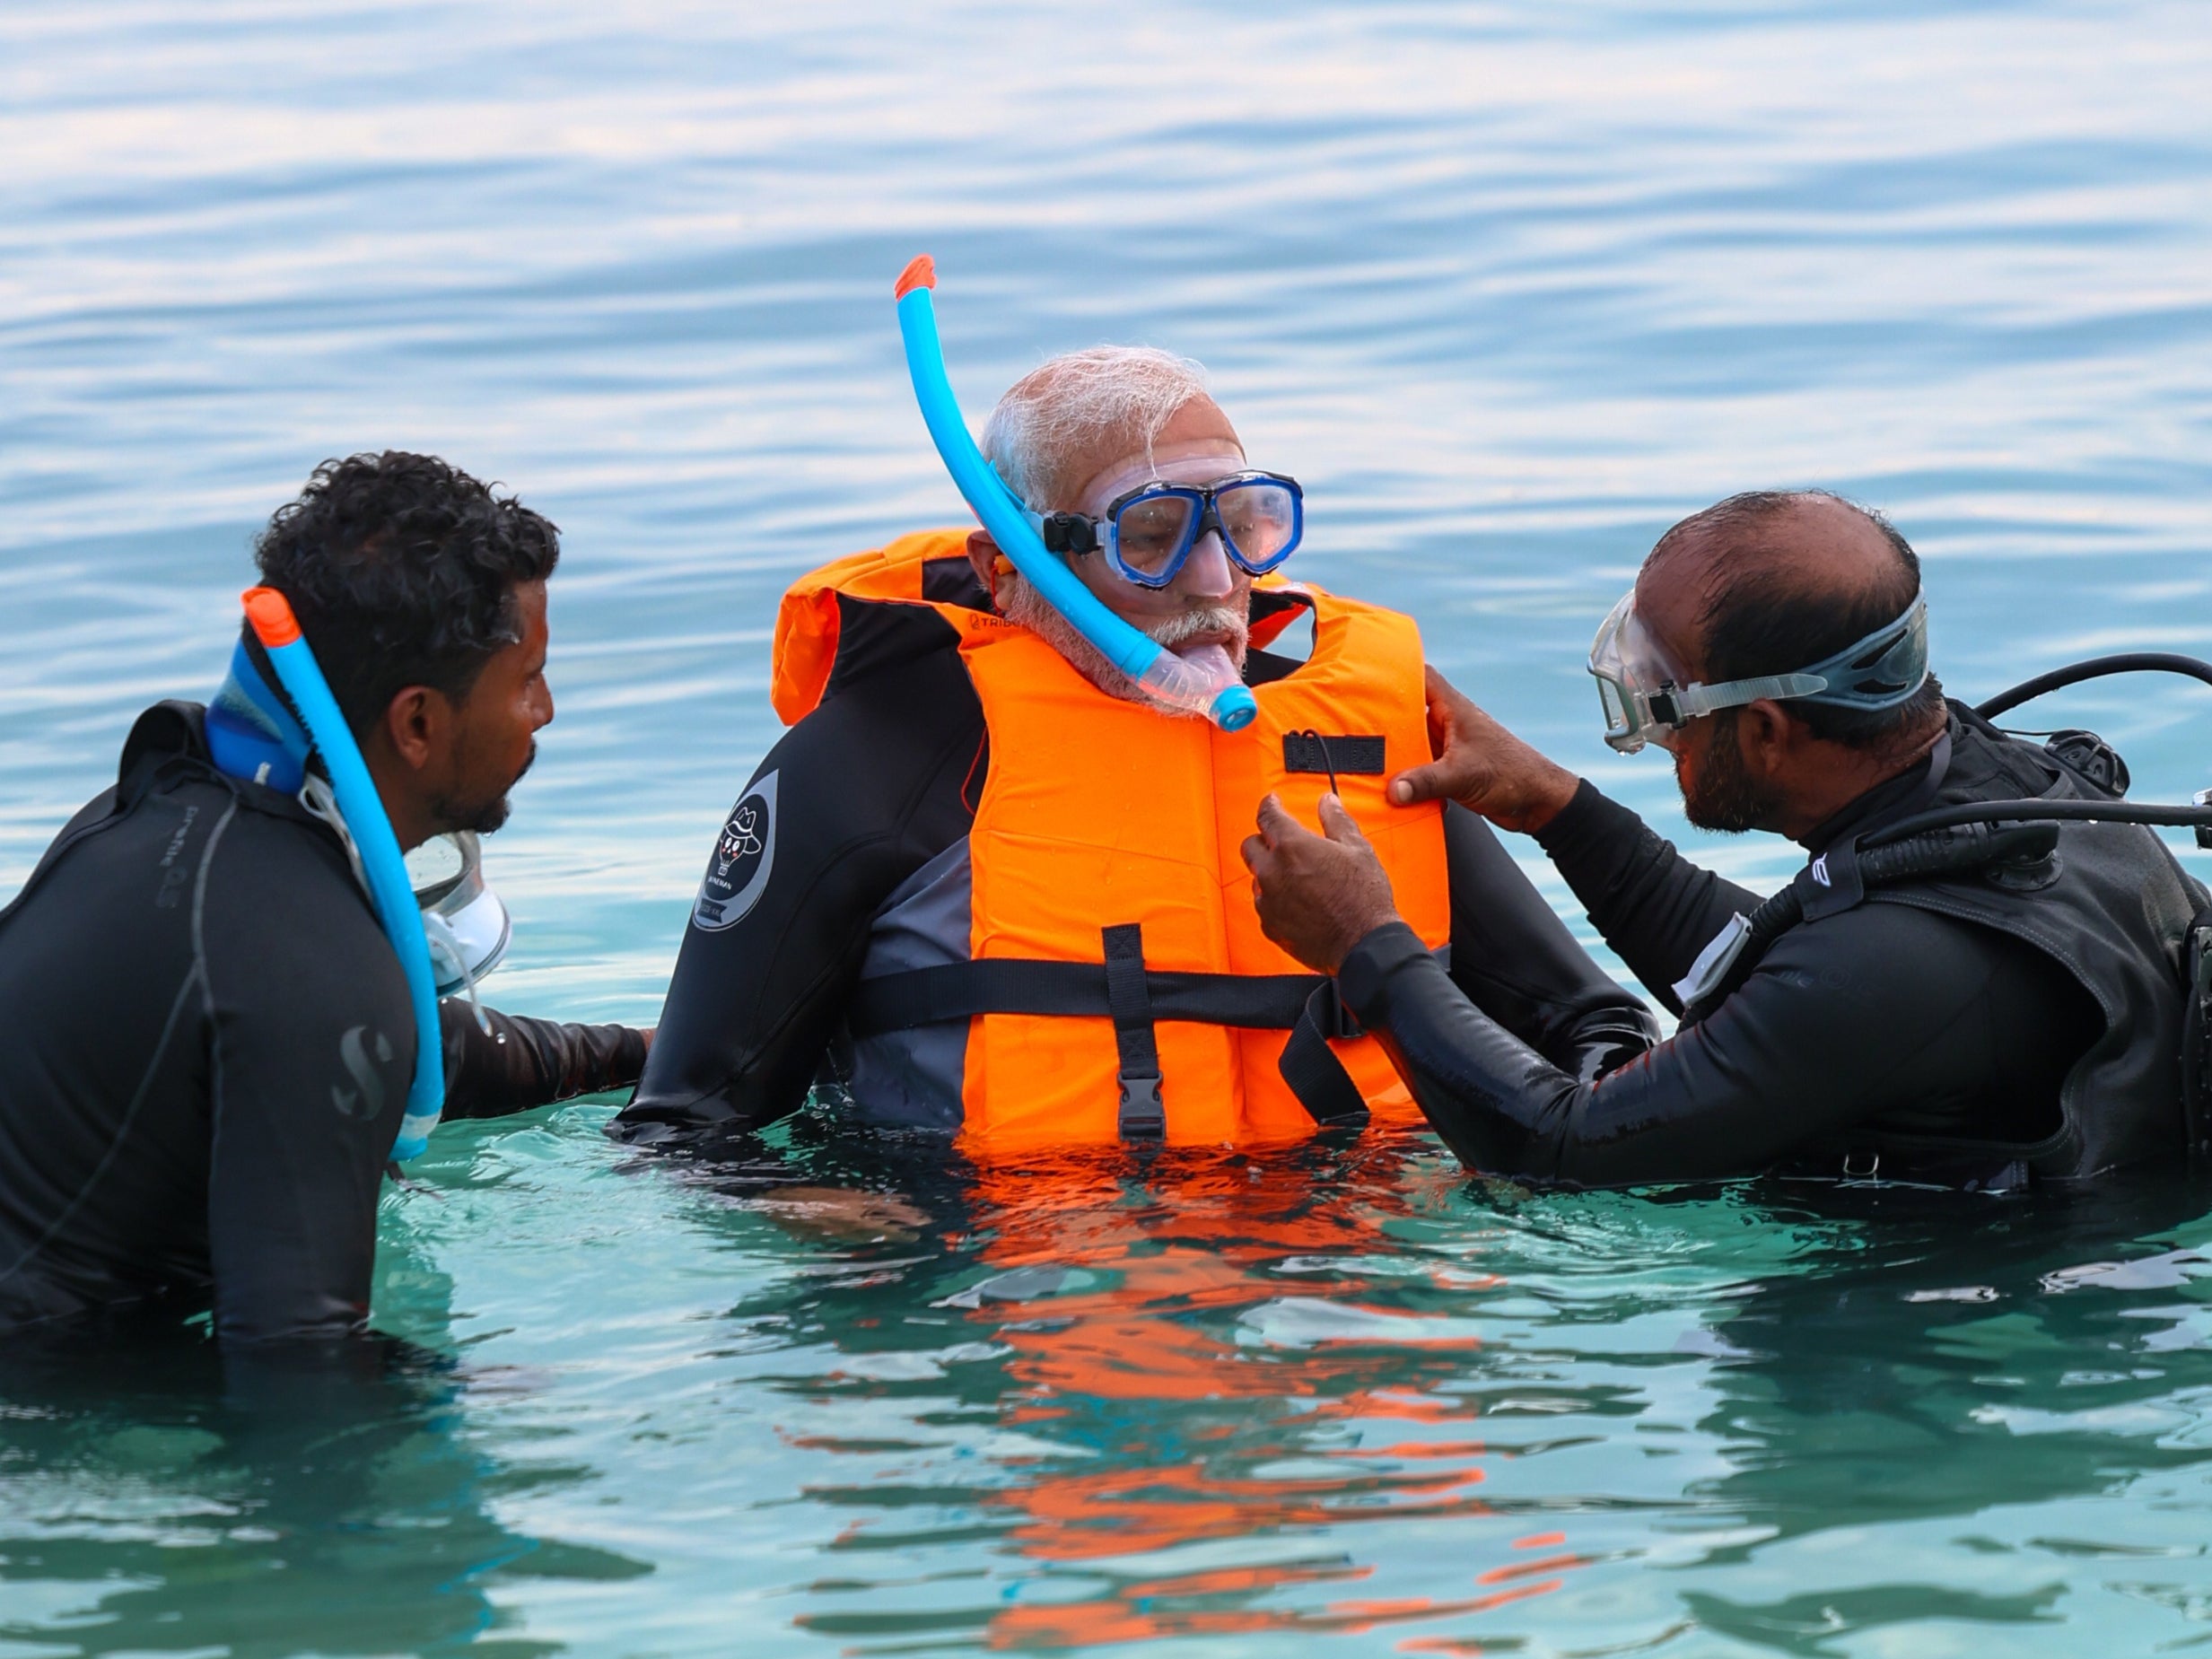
x=1363 y=977
x=1555 y=794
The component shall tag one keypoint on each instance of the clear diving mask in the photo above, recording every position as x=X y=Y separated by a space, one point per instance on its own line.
x=467 y=926
x=1646 y=699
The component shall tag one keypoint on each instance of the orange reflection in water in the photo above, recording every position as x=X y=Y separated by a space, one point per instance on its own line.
x=1205 y=1428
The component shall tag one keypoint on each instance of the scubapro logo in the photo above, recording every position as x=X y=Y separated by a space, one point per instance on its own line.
x=744 y=855
x=1820 y=870
x=366 y=1099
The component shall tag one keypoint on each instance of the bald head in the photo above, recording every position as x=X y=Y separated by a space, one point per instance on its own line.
x=1773 y=582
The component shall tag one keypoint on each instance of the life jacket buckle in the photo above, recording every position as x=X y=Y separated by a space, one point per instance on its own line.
x=1142 y=1117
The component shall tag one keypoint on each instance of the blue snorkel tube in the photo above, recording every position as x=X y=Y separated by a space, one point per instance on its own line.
x=382 y=866
x=1224 y=699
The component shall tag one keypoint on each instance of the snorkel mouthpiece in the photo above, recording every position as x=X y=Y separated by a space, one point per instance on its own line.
x=382 y=867
x=1213 y=691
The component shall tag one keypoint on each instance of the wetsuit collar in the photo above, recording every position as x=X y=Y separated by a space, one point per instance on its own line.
x=1908 y=792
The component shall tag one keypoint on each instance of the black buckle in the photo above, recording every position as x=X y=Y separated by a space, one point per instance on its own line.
x=1069 y=532
x=1142 y=1117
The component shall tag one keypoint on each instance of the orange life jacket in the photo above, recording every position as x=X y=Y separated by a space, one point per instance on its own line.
x=1106 y=829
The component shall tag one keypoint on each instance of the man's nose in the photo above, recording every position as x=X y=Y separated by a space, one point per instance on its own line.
x=1206 y=574
x=544 y=711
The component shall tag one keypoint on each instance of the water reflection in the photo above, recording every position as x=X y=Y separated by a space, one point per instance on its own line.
x=1340 y=1391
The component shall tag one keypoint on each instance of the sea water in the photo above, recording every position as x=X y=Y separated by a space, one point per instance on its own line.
x=1510 y=287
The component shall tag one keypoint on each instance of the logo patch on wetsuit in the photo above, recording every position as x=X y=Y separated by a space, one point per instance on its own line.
x=744 y=853
x=368 y=1099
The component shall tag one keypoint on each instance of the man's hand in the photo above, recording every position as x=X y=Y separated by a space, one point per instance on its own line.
x=1484 y=767
x=1316 y=898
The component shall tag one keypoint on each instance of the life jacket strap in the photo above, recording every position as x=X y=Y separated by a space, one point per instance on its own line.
x=1305 y=1005
x=1310 y=1068
x=1129 y=1001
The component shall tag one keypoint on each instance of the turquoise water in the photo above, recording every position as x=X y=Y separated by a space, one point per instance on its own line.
x=1511 y=287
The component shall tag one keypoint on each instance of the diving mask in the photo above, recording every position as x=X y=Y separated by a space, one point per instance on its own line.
x=1147 y=535
x=1642 y=691
x=468 y=927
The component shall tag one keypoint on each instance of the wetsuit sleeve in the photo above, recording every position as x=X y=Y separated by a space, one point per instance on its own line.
x=1513 y=959
x=1870 y=1013
x=520 y=1063
x=1654 y=908
x=868 y=788
x=309 y=1047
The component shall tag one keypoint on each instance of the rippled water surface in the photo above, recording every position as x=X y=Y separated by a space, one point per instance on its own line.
x=1510 y=287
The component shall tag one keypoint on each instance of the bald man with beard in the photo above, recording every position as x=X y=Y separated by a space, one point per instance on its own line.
x=1997 y=1026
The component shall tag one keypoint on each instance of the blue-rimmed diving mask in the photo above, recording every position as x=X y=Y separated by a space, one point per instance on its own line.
x=1147 y=535
x=1645 y=700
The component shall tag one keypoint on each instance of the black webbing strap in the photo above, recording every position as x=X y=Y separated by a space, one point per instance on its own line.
x=1129 y=1001
x=1310 y=1068
x=1018 y=985
x=1303 y=1004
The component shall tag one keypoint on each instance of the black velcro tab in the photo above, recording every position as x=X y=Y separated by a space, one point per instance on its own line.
x=1309 y=751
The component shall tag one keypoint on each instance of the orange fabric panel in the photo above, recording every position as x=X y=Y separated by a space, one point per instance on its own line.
x=805 y=648
x=1364 y=679
x=1083 y=824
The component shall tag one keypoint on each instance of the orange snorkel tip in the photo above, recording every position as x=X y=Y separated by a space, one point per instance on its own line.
x=270 y=613
x=920 y=271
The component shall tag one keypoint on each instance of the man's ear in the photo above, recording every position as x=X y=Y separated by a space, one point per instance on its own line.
x=984 y=553
x=418 y=723
x=1769 y=737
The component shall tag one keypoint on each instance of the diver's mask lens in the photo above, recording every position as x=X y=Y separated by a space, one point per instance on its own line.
x=1616 y=664
x=467 y=926
x=1147 y=534
x=1259 y=515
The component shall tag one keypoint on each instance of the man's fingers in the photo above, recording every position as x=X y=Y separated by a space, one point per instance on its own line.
x=1338 y=825
x=1252 y=848
x=1274 y=822
x=1419 y=783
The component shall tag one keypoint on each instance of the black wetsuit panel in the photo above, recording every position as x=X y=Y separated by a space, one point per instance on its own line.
x=883 y=776
x=1881 y=1019
x=870 y=786
x=206 y=1043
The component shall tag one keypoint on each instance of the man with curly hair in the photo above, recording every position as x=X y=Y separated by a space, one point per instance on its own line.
x=205 y=1038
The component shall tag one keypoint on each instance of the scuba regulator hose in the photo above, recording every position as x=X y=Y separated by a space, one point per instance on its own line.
x=1225 y=701
x=382 y=866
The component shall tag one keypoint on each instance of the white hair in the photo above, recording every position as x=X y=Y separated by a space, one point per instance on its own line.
x=1074 y=400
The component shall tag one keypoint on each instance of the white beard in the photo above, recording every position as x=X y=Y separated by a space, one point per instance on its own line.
x=1020 y=602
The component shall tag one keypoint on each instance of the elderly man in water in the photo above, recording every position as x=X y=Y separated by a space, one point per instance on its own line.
x=985 y=886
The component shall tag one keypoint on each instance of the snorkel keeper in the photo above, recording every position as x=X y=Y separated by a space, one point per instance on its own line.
x=247 y=746
x=1226 y=701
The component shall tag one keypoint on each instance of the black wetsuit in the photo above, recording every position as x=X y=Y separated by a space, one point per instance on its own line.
x=206 y=1043
x=1887 y=1024
x=882 y=780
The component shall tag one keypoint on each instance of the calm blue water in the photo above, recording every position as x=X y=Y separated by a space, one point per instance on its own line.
x=1510 y=286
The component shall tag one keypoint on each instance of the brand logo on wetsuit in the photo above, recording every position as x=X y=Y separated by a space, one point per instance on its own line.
x=1820 y=871
x=744 y=853
x=368 y=1099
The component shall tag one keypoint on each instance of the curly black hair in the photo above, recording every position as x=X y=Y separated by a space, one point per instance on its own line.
x=402 y=570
